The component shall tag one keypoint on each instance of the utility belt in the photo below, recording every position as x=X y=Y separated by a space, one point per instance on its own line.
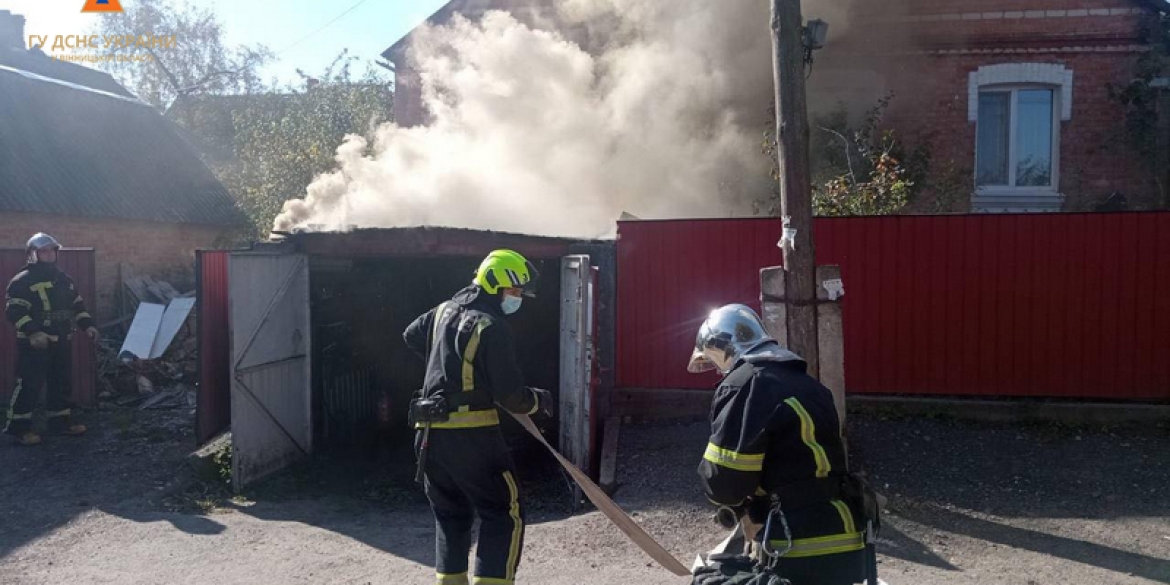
x=453 y=410
x=468 y=409
x=851 y=488
x=59 y=316
x=54 y=337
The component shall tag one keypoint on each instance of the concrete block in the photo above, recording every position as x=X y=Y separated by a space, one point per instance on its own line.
x=774 y=314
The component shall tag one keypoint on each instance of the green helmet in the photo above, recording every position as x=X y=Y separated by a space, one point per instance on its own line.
x=506 y=269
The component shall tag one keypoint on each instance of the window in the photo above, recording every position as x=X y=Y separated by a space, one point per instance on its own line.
x=1016 y=139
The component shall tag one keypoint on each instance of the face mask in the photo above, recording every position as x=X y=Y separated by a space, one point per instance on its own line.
x=511 y=304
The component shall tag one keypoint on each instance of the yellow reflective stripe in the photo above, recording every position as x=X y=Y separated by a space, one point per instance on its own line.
x=20 y=416
x=452 y=579
x=846 y=516
x=19 y=303
x=469 y=354
x=21 y=335
x=58 y=413
x=15 y=396
x=492 y=581
x=41 y=288
x=440 y=313
x=21 y=322
x=82 y=315
x=808 y=433
x=467 y=420
x=732 y=459
x=823 y=545
x=517 y=531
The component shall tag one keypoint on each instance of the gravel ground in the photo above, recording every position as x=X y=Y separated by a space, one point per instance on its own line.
x=969 y=504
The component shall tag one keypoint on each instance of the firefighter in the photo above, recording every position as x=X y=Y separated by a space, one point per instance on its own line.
x=776 y=451
x=471 y=368
x=43 y=305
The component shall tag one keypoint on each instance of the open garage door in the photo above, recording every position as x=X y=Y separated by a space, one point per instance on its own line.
x=271 y=380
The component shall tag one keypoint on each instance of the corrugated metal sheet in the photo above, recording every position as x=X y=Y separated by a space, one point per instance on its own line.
x=1061 y=305
x=272 y=421
x=214 y=410
x=79 y=264
x=73 y=151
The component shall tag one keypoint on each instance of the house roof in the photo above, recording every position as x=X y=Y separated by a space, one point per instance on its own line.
x=75 y=149
x=428 y=241
x=469 y=8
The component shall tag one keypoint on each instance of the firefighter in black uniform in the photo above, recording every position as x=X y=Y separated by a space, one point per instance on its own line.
x=472 y=368
x=776 y=451
x=43 y=305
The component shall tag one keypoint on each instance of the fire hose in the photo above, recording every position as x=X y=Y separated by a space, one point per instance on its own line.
x=616 y=515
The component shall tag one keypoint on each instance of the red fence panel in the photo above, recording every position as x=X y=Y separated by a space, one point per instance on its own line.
x=79 y=263
x=214 y=408
x=1056 y=305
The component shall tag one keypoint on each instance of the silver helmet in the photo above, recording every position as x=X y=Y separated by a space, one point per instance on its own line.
x=39 y=242
x=728 y=335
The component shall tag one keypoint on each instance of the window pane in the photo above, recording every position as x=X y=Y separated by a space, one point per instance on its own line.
x=991 y=146
x=1034 y=138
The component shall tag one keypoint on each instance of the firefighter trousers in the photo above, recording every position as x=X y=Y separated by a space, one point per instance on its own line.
x=37 y=369
x=469 y=473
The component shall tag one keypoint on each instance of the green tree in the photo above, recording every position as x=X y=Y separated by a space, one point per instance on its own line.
x=200 y=63
x=855 y=171
x=281 y=141
x=1141 y=99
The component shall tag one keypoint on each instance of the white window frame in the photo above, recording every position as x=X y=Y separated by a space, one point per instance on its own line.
x=1011 y=188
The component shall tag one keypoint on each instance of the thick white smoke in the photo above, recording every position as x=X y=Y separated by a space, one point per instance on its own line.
x=533 y=134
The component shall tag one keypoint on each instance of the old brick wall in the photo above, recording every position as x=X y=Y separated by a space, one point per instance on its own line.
x=155 y=248
x=924 y=51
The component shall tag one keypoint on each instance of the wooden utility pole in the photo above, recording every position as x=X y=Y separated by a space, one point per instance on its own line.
x=788 y=53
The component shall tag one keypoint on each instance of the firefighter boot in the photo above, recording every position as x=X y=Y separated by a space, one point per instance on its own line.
x=28 y=439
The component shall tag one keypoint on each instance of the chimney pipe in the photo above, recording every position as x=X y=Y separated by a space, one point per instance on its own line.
x=11 y=31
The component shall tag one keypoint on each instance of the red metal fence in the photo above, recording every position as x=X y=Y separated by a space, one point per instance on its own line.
x=214 y=410
x=79 y=263
x=1046 y=305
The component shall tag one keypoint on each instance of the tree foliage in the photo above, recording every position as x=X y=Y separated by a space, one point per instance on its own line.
x=280 y=141
x=856 y=171
x=1140 y=99
x=200 y=63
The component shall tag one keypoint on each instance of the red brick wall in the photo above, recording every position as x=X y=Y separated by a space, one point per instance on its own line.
x=931 y=108
x=153 y=248
x=924 y=50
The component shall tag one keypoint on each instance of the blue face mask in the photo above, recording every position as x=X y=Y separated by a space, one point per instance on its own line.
x=511 y=304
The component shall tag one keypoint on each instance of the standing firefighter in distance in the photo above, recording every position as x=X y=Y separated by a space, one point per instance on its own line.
x=472 y=367
x=776 y=453
x=43 y=305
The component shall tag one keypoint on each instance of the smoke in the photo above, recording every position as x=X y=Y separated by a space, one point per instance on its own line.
x=662 y=117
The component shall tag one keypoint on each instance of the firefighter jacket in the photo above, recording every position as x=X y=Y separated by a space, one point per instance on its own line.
x=42 y=298
x=471 y=361
x=775 y=433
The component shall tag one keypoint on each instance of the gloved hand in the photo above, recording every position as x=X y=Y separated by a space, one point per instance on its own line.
x=39 y=340
x=93 y=334
x=544 y=401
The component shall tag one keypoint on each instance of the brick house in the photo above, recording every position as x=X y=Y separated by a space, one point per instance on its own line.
x=82 y=159
x=1010 y=97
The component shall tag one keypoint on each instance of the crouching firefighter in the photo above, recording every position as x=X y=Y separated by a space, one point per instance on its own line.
x=776 y=460
x=43 y=305
x=464 y=463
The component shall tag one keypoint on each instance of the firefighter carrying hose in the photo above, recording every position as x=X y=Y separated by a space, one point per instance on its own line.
x=463 y=459
x=776 y=457
x=43 y=305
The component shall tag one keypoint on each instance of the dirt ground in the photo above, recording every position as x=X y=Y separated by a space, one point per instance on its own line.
x=970 y=503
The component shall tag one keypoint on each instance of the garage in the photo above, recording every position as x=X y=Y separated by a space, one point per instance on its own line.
x=302 y=354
